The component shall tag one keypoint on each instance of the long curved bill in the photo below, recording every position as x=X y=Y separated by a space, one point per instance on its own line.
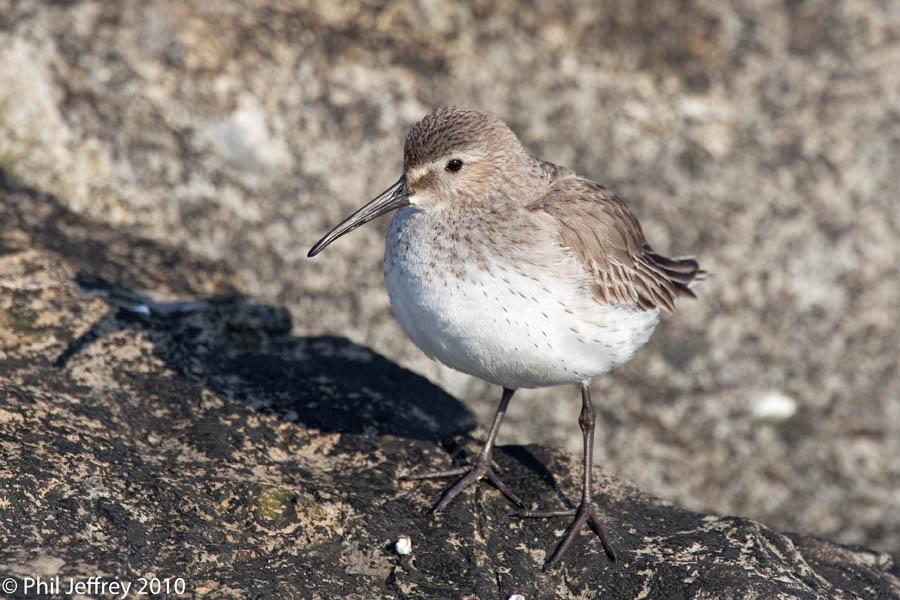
x=392 y=198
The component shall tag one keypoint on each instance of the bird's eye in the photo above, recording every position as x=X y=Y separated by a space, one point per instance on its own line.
x=454 y=165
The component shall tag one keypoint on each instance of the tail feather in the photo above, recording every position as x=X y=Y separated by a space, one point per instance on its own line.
x=682 y=272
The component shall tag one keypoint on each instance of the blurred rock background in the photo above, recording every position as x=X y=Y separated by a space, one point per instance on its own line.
x=762 y=137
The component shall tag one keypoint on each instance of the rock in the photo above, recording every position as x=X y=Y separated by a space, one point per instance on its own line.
x=196 y=440
x=760 y=136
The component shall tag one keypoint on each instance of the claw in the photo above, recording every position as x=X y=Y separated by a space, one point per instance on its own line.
x=437 y=474
x=585 y=515
x=470 y=474
x=484 y=466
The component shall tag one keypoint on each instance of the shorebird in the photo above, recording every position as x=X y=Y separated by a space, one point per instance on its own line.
x=519 y=272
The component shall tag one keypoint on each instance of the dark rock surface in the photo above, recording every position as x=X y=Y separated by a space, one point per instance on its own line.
x=184 y=432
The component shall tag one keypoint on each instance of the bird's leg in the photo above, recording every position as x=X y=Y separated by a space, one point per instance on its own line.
x=587 y=512
x=484 y=465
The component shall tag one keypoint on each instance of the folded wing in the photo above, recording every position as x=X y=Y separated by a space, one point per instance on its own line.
x=608 y=240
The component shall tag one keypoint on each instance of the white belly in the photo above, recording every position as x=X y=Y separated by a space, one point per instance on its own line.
x=500 y=322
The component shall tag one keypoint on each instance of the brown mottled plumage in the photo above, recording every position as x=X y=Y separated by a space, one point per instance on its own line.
x=517 y=271
x=461 y=130
x=610 y=243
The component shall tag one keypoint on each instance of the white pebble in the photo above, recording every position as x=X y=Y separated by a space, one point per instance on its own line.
x=403 y=545
x=774 y=406
x=517 y=597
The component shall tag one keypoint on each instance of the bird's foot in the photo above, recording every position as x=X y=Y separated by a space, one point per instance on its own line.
x=482 y=469
x=586 y=514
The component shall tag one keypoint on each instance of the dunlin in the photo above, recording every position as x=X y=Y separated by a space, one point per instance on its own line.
x=517 y=271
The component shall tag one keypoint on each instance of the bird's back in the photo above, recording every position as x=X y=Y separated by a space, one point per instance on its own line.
x=605 y=237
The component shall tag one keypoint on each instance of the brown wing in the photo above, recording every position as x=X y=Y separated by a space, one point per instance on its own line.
x=608 y=240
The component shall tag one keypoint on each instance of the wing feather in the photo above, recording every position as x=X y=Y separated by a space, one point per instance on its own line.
x=607 y=239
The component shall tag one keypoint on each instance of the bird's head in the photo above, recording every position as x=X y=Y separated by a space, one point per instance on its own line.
x=453 y=156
